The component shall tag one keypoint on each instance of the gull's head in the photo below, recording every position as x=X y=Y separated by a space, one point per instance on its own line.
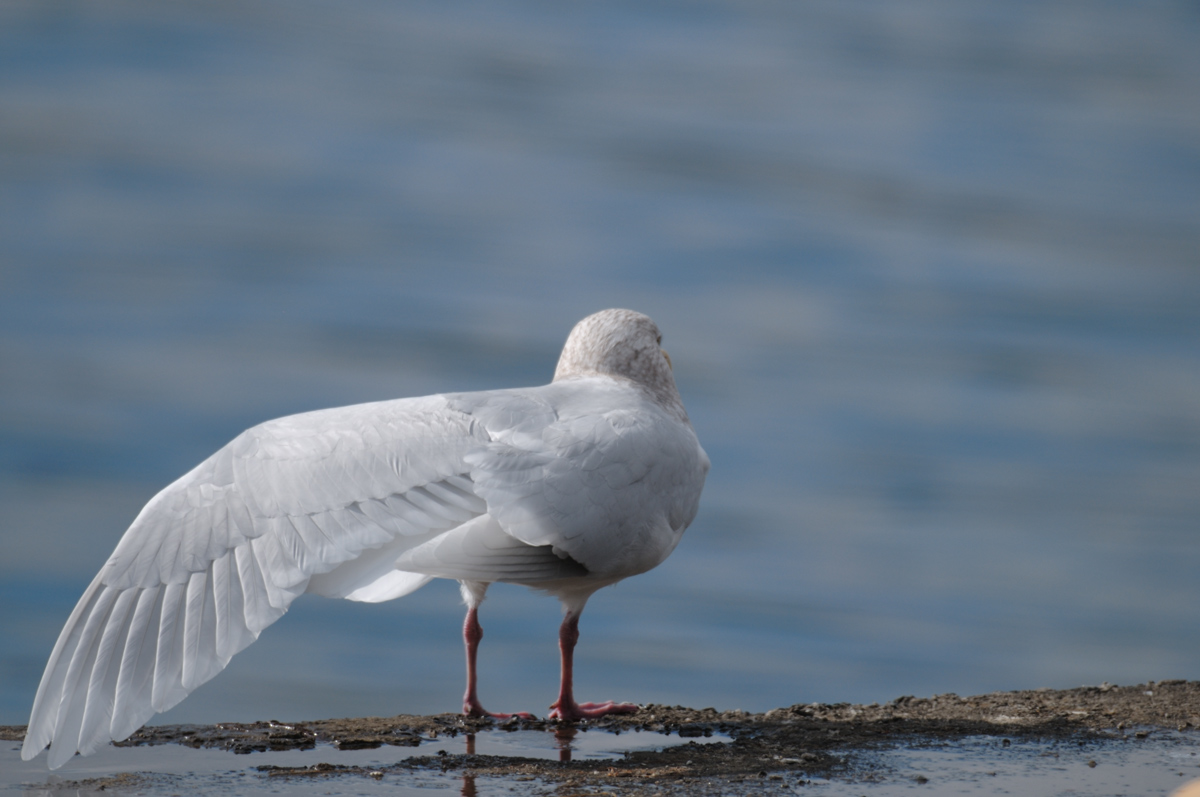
x=619 y=343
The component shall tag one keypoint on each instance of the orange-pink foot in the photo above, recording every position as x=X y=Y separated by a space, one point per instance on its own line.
x=581 y=711
x=476 y=710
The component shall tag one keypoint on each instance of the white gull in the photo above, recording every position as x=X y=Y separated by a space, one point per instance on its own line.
x=565 y=488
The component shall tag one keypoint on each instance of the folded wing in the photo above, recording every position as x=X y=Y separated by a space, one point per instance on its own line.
x=595 y=470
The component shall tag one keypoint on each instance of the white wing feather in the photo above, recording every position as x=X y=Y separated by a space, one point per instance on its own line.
x=480 y=550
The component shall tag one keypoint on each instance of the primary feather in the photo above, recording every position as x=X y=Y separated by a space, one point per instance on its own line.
x=566 y=487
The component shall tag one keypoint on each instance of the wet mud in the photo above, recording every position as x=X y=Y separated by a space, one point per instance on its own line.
x=718 y=751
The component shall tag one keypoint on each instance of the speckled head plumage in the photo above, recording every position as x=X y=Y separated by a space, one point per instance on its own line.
x=623 y=344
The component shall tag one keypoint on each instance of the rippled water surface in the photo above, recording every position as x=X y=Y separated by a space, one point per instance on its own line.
x=928 y=272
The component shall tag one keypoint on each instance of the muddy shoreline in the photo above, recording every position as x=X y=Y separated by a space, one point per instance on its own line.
x=781 y=746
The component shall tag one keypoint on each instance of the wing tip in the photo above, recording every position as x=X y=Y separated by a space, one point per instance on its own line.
x=28 y=753
x=56 y=760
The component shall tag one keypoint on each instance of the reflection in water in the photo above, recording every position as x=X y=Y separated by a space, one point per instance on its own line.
x=563 y=736
x=468 y=789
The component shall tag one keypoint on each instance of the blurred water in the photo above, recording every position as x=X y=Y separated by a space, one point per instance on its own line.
x=927 y=272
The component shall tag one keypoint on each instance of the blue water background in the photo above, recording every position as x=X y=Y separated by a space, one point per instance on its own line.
x=929 y=273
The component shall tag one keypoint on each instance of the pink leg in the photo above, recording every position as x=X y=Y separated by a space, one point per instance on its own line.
x=565 y=708
x=472 y=633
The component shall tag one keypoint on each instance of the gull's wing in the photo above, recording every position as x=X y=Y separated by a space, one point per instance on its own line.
x=323 y=501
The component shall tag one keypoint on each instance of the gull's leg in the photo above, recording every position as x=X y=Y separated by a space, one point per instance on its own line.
x=565 y=708
x=472 y=633
x=473 y=592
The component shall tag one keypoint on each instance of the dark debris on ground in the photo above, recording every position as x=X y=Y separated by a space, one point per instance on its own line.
x=782 y=747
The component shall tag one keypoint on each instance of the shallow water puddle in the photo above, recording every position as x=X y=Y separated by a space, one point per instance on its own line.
x=171 y=767
x=987 y=765
x=560 y=745
x=1156 y=765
